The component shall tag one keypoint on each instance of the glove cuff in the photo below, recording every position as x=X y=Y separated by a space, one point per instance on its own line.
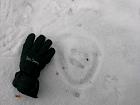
x=25 y=84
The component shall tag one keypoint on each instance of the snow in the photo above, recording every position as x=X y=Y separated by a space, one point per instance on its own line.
x=81 y=57
x=108 y=28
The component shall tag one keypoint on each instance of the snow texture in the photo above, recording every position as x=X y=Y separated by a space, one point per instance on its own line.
x=97 y=42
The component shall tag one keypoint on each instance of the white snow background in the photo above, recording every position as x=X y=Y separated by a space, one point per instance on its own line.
x=114 y=25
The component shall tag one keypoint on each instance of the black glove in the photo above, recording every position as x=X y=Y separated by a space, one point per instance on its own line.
x=35 y=55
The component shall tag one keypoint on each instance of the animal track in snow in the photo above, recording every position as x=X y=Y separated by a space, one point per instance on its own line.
x=80 y=56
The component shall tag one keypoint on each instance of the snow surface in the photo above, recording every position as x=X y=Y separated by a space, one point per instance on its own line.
x=110 y=26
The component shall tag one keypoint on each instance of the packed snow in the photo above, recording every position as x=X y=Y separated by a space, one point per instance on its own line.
x=97 y=42
x=80 y=58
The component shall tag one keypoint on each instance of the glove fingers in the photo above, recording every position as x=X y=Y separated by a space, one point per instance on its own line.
x=28 y=43
x=38 y=43
x=45 y=48
x=49 y=55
